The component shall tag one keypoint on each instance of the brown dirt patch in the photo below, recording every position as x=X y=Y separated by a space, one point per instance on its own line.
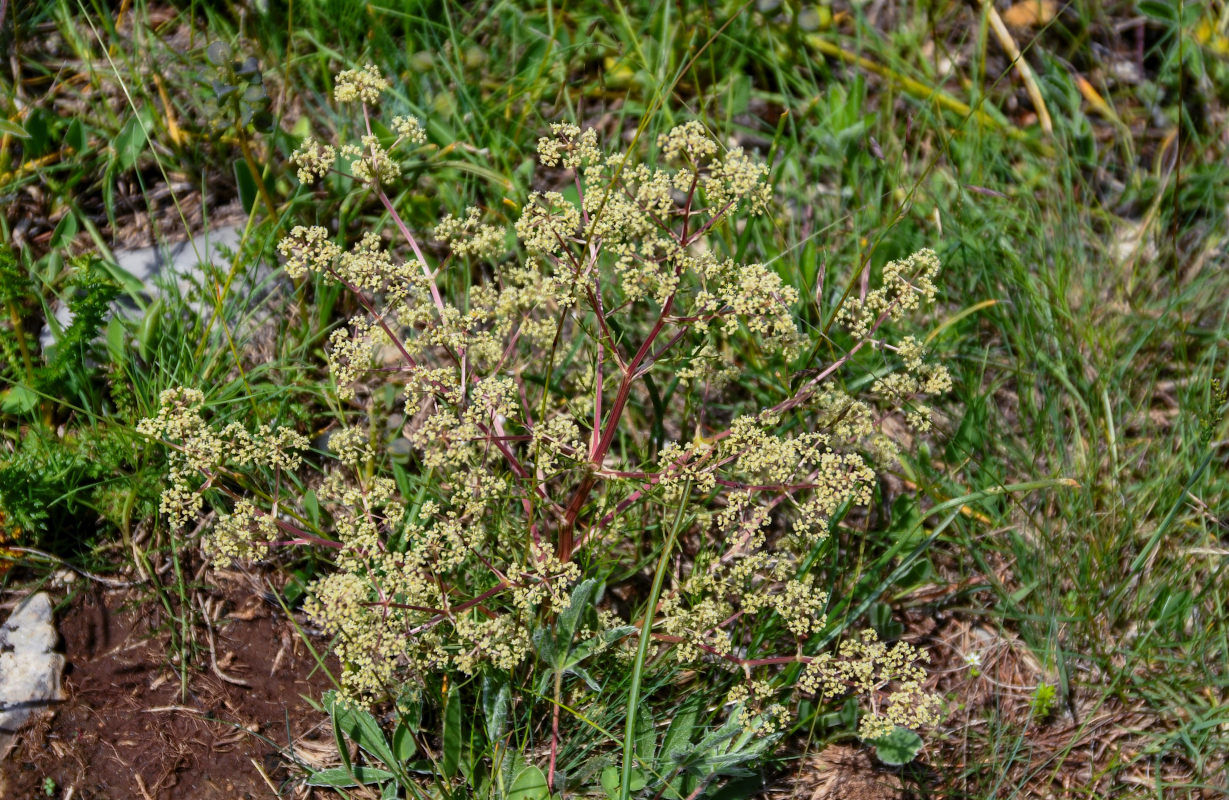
x=841 y=772
x=1088 y=744
x=126 y=730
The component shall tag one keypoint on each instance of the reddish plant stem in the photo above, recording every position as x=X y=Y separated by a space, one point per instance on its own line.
x=405 y=231
x=554 y=735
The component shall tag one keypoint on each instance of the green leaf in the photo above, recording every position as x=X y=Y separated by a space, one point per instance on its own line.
x=646 y=737
x=496 y=697
x=218 y=53
x=569 y=618
x=584 y=676
x=151 y=326
x=361 y=728
x=390 y=792
x=881 y=620
x=247 y=185
x=899 y=747
x=403 y=744
x=544 y=644
x=452 y=733
x=582 y=650
x=75 y=137
x=116 y=340
x=340 y=777
x=8 y=128
x=678 y=736
x=129 y=143
x=530 y=784
x=610 y=782
x=18 y=400
x=64 y=231
x=311 y=504
x=330 y=701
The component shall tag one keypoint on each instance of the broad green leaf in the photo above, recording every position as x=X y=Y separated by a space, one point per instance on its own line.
x=129 y=143
x=340 y=777
x=544 y=644
x=390 y=792
x=610 y=781
x=18 y=400
x=678 y=736
x=403 y=744
x=76 y=137
x=1159 y=11
x=452 y=733
x=881 y=620
x=899 y=747
x=116 y=340
x=218 y=53
x=530 y=784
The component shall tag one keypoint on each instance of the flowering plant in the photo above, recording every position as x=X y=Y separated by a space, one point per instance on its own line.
x=581 y=411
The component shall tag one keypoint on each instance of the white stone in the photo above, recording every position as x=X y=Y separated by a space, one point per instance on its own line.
x=183 y=263
x=30 y=670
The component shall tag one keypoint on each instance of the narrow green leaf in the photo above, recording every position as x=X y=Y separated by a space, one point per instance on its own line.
x=65 y=230
x=330 y=702
x=452 y=733
x=584 y=676
x=311 y=504
x=246 y=184
x=340 y=777
x=361 y=728
x=646 y=737
x=496 y=697
x=569 y=618
x=8 y=128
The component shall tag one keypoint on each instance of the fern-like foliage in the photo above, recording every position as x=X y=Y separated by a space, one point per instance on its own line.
x=64 y=454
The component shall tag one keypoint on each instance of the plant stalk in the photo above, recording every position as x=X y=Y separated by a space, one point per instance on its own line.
x=642 y=651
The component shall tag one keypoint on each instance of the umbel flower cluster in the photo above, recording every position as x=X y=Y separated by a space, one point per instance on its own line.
x=563 y=407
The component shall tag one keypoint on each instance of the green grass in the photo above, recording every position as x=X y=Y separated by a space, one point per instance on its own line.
x=1102 y=248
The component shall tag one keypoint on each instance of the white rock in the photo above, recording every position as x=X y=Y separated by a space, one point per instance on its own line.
x=29 y=668
x=184 y=263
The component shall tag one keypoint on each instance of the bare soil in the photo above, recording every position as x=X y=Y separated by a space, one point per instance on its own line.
x=127 y=730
